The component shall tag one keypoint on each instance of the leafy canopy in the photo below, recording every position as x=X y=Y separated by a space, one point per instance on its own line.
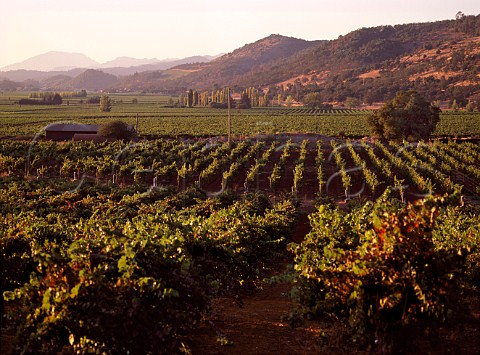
x=408 y=116
x=116 y=130
x=383 y=265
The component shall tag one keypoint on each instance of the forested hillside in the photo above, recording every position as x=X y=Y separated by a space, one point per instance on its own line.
x=439 y=59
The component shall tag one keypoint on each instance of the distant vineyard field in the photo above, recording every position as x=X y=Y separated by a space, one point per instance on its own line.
x=157 y=120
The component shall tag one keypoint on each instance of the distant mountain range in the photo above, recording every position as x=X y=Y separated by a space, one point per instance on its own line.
x=125 y=62
x=71 y=64
x=440 y=59
x=54 y=61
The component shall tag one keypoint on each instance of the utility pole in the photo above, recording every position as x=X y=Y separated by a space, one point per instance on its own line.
x=136 y=126
x=229 y=120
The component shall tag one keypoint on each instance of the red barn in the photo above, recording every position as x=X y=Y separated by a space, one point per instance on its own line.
x=66 y=131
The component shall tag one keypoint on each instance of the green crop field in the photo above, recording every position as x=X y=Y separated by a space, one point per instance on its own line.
x=156 y=119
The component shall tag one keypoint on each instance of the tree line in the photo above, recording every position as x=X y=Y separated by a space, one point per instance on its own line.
x=218 y=98
x=45 y=99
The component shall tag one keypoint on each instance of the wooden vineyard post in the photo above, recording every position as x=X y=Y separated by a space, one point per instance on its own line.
x=136 y=127
x=229 y=121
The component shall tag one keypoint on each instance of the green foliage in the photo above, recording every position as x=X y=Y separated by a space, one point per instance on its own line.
x=189 y=98
x=312 y=99
x=116 y=130
x=352 y=102
x=47 y=99
x=274 y=176
x=470 y=107
x=93 y=100
x=289 y=101
x=19 y=234
x=455 y=105
x=315 y=100
x=105 y=103
x=458 y=229
x=408 y=116
x=379 y=266
x=117 y=271
x=245 y=102
x=110 y=291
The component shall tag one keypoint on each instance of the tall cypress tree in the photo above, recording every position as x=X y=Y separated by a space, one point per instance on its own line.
x=189 y=98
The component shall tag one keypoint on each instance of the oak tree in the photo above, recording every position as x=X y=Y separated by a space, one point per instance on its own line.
x=408 y=116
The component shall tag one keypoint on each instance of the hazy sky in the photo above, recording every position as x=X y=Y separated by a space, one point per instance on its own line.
x=106 y=29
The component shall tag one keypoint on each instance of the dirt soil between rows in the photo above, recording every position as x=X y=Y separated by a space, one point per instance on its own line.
x=257 y=327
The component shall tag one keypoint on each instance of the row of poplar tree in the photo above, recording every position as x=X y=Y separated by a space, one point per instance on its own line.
x=250 y=97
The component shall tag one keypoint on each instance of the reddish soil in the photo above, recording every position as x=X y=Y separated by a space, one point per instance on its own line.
x=256 y=327
x=238 y=183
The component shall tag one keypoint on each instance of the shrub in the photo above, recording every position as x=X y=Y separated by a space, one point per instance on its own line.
x=93 y=100
x=116 y=130
x=218 y=105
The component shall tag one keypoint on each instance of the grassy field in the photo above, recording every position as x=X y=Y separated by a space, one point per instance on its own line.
x=156 y=119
